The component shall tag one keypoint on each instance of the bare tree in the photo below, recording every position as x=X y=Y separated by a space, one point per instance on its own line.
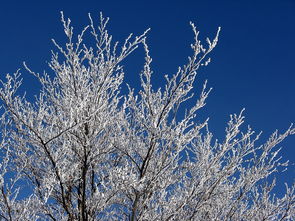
x=84 y=150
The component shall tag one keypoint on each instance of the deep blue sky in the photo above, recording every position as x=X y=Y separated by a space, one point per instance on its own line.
x=253 y=65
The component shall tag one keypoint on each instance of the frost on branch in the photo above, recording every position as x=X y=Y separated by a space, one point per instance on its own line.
x=84 y=150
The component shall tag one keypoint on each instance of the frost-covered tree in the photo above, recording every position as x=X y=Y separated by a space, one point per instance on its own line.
x=84 y=149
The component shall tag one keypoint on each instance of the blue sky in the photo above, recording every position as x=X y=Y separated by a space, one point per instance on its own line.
x=253 y=66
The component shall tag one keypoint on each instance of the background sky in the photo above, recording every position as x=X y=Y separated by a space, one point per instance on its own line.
x=252 y=67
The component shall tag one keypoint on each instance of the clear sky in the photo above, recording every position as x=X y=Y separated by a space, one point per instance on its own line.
x=253 y=66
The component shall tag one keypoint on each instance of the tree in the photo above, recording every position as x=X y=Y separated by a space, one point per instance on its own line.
x=84 y=150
